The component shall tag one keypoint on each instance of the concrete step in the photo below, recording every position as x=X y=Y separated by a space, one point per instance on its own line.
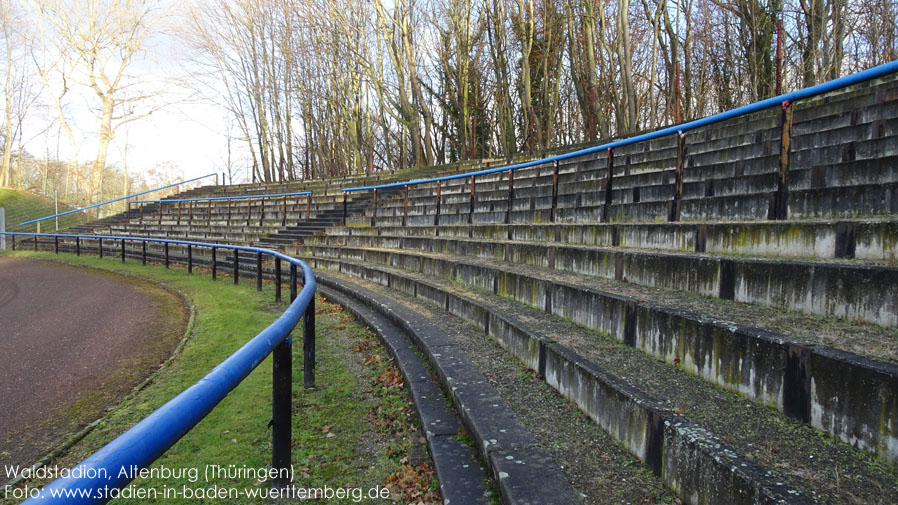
x=739 y=347
x=847 y=291
x=627 y=393
x=872 y=240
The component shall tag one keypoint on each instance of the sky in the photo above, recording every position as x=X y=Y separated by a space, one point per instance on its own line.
x=187 y=133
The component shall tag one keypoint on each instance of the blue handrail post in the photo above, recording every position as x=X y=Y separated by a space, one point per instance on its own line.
x=259 y=271
x=277 y=280
x=236 y=266
x=281 y=418
x=308 y=345
x=292 y=282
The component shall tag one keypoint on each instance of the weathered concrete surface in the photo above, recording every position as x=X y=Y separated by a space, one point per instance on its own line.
x=863 y=293
x=493 y=426
x=760 y=364
x=634 y=419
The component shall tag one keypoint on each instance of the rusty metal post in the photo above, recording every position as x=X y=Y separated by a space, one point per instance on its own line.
x=436 y=217
x=510 y=196
x=473 y=199
x=609 y=186
x=554 y=190
x=405 y=208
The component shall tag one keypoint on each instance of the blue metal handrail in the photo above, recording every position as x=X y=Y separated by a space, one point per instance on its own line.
x=151 y=437
x=213 y=198
x=116 y=200
x=841 y=82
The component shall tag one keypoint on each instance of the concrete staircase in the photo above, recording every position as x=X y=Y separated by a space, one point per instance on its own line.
x=742 y=357
x=720 y=307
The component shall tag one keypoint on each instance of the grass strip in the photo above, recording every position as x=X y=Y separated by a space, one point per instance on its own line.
x=356 y=430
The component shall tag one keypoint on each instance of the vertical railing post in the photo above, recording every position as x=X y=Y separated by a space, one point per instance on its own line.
x=510 y=196
x=281 y=412
x=374 y=218
x=35 y=243
x=123 y=250
x=609 y=187
x=236 y=266
x=473 y=198
x=309 y=208
x=258 y=271
x=189 y=259
x=405 y=208
x=209 y=214
x=165 y=246
x=214 y=266
x=674 y=213
x=249 y=210
x=143 y=257
x=179 y=212
x=100 y=247
x=56 y=245
x=308 y=345
x=292 y=282
x=277 y=280
x=77 y=245
x=554 y=190
x=262 y=212
x=344 y=209
x=141 y=213
x=229 y=212
x=284 y=220
x=436 y=217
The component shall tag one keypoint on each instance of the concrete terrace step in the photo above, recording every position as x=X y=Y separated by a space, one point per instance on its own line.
x=524 y=472
x=875 y=241
x=723 y=343
x=708 y=445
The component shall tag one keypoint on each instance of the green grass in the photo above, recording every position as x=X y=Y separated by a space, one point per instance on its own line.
x=24 y=206
x=353 y=430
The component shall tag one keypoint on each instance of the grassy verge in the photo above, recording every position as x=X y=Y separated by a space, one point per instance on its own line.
x=356 y=430
x=24 y=206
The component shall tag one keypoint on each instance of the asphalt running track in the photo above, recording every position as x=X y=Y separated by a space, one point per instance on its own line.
x=68 y=336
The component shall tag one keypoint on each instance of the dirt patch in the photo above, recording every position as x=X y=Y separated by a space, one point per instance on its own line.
x=73 y=343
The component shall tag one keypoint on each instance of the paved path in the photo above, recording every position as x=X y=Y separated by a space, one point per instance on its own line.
x=73 y=341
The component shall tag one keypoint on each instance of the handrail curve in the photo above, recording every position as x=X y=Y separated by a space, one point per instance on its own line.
x=151 y=437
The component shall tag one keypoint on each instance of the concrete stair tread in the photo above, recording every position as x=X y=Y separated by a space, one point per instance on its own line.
x=764 y=436
x=559 y=429
x=871 y=341
x=647 y=251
